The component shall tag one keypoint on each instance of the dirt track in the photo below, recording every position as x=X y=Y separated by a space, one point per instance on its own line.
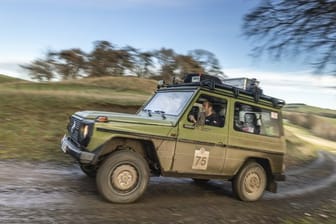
x=53 y=193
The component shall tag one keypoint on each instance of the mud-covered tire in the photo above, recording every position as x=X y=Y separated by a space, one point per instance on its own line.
x=250 y=182
x=89 y=170
x=123 y=177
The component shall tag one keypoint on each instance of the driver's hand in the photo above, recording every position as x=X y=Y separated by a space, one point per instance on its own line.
x=192 y=118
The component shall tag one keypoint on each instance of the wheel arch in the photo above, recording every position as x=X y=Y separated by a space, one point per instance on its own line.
x=266 y=164
x=144 y=147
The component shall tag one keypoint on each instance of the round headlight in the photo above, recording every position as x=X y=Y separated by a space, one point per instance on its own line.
x=85 y=130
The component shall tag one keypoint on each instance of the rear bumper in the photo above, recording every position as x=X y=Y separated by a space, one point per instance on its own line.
x=69 y=148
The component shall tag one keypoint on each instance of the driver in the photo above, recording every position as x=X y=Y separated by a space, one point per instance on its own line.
x=211 y=118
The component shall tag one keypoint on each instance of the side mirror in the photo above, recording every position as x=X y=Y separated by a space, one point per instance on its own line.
x=161 y=83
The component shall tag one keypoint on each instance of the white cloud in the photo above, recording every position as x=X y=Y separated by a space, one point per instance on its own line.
x=13 y=69
x=301 y=78
x=294 y=87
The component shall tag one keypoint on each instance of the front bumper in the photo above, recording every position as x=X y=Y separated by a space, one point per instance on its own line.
x=83 y=157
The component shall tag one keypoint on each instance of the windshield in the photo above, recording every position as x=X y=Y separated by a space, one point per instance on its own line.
x=169 y=103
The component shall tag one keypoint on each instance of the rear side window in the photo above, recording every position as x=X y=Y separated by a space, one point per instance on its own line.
x=256 y=120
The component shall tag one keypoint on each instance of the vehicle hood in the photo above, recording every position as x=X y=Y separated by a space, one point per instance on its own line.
x=126 y=118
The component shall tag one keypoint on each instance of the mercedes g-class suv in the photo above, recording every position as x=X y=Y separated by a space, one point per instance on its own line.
x=203 y=129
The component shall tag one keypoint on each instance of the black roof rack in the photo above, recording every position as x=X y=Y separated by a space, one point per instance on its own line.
x=213 y=83
x=201 y=77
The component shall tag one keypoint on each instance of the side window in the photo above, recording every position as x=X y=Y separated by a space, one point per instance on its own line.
x=256 y=120
x=208 y=110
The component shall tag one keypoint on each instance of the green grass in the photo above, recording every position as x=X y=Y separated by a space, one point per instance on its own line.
x=329 y=120
x=303 y=108
x=34 y=115
x=102 y=86
x=298 y=151
x=7 y=79
x=316 y=124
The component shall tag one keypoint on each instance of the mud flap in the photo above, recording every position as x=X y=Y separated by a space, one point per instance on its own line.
x=272 y=186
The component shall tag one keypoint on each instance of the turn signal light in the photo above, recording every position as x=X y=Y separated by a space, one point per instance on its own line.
x=102 y=119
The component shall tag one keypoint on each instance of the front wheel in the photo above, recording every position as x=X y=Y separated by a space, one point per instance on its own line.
x=123 y=177
x=250 y=182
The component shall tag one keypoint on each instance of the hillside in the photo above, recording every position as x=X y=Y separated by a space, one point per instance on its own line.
x=7 y=79
x=34 y=115
x=318 y=121
x=303 y=108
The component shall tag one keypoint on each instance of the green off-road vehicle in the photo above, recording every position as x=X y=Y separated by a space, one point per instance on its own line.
x=202 y=129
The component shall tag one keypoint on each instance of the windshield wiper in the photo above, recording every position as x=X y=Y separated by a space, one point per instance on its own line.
x=149 y=112
x=162 y=113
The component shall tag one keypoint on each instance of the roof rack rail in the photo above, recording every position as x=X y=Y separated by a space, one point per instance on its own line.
x=236 y=85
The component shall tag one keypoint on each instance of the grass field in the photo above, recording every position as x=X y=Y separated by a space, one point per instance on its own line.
x=34 y=115
x=7 y=79
x=298 y=151
x=302 y=108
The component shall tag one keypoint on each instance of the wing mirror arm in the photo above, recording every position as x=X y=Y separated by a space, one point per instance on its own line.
x=200 y=120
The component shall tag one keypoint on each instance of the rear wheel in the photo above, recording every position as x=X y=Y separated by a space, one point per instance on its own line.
x=123 y=177
x=250 y=182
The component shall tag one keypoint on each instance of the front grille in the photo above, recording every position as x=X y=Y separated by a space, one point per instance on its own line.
x=74 y=129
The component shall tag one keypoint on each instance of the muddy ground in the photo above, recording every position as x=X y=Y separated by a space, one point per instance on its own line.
x=56 y=193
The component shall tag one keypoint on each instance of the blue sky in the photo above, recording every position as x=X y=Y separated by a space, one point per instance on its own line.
x=31 y=27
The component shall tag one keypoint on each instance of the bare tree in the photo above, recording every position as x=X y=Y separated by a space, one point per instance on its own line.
x=70 y=64
x=186 y=64
x=129 y=59
x=167 y=60
x=41 y=69
x=100 y=59
x=143 y=64
x=208 y=61
x=304 y=27
x=126 y=58
x=108 y=60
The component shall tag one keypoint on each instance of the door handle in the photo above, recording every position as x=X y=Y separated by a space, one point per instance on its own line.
x=221 y=144
x=189 y=126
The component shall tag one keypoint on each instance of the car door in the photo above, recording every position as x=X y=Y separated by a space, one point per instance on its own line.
x=201 y=148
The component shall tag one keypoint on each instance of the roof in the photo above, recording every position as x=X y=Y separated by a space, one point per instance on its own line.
x=253 y=94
